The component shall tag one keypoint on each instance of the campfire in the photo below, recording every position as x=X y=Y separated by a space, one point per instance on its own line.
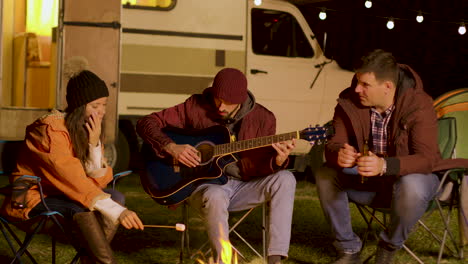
x=227 y=256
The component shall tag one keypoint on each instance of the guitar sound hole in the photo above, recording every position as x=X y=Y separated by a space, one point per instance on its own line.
x=205 y=151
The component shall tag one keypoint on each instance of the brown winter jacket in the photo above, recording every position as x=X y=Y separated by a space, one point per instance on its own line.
x=198 y=112
x=48 y=154
x=412 y=140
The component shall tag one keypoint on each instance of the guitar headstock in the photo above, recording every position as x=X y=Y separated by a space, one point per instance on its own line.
x=315 y=135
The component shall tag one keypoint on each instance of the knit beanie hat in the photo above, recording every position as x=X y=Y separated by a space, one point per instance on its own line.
x=230 y=85
x=83 y=85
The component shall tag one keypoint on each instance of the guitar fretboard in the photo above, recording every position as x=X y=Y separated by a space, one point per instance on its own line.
x=247 y=144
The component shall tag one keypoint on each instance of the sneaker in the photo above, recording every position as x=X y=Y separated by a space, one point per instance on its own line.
x=384 y=254
x=345 y=258
x=274 y=259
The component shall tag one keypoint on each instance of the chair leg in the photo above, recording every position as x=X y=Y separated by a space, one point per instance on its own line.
x=446 y=220
x=185 y=240
x=384 y=227
x=7 y=237
x=232 y=229
x=5 y=228
x=28 y=239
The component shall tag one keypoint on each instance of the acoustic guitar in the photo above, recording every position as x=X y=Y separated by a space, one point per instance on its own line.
x=169 y=182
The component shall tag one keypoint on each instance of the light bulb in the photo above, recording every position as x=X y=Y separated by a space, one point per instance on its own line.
x=419 y=17
x=322 y=15
x=257 y=2
x=390 y=24
x=462 y=29
x=368 y=4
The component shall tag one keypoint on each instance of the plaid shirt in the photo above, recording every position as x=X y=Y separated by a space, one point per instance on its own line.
x=379 y=124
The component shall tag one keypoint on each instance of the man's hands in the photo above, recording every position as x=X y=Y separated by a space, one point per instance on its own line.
x=283 y=149
x=130 y=219
x=188 y=155
x=371 y=165
x=93 y=125
x=367 y=166
x=185 y=154
x=347 y=156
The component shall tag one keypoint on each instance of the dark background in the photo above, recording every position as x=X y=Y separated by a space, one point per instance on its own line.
x=434 y=48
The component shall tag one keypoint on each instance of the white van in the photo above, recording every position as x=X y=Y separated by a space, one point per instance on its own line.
x=153 y=54
x=173 y=52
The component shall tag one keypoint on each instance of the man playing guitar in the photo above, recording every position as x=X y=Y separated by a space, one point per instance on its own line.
x=253 y=177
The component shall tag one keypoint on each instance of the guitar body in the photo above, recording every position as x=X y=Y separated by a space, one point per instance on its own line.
x=168 y=183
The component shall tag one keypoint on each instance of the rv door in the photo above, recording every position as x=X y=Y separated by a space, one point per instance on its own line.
x=281 y=60
x=91 y=29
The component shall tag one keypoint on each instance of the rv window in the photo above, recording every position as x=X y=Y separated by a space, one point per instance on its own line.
x=160 y=5
x=278 y=33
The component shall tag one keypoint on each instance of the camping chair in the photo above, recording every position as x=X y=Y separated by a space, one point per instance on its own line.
x=233 y=230
x=43 y=223
x=447 y=195
x=48 y=222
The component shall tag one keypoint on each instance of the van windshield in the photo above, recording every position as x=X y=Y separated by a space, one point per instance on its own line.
x=278 y=33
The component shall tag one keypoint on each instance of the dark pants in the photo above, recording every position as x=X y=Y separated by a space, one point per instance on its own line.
x=69 y=208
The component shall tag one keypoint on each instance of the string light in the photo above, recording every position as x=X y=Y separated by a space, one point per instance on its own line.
x=419 y=17
x=323 y=14
x=391 y=21
x=257 y=2
x=368 y=4
x=462 y=29
x=390 y=24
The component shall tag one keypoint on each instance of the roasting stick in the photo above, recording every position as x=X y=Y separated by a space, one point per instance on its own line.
x=178 y=226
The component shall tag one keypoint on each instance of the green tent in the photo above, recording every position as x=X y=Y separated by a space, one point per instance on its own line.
x=455 y=104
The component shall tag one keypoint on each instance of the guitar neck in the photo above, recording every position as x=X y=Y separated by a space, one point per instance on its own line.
x=238 y=146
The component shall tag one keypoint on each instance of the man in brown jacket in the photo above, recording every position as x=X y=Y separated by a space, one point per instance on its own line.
x=383 y=154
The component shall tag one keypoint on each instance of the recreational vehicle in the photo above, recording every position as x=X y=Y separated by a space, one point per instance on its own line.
x=153 y=54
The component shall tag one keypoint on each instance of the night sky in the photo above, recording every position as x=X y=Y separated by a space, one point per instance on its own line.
x=434 y=48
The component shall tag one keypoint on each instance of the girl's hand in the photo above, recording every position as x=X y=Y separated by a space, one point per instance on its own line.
x=93 y=126
x=130 y=219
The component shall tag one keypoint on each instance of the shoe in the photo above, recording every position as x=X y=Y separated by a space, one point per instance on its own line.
x=274 y=259
x=345 y=258
x=384 y=255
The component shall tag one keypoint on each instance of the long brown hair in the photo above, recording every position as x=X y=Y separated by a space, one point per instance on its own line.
x=75 y=122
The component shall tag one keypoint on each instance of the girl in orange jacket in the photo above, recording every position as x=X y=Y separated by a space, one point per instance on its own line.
x=65 y=150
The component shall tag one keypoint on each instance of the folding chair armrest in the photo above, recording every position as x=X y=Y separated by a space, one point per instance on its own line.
x=119 y=176
x=30 y=178
x=450 y=174
x=18 y=189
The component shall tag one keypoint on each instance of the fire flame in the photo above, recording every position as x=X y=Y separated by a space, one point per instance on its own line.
x=227 y=256
x=226 y=253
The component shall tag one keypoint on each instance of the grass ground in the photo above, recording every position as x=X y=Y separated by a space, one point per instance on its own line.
x=310 y=243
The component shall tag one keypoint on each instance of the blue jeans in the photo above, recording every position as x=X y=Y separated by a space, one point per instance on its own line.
x=409 y=197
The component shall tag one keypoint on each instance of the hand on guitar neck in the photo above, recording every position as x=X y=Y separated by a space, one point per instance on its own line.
x=185 y=154
x=284 y=149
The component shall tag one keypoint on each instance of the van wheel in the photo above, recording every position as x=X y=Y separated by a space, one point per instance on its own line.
x=118 y=154
x=110 y=153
